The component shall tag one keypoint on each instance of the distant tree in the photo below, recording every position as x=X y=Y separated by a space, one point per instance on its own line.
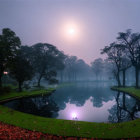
x=126 y=63
x=83 y=70
x=132 y=43
x=20 y=69
x=60 y=65
x=46 y=59
x=71 y=67
x=97 y=67
x=75 y=69
x=114 y=53
x=9 y=44
x=108 y=69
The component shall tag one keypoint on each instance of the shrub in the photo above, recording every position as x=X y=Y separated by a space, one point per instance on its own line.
x=5 y=89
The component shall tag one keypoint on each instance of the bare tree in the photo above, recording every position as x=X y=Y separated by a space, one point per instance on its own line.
x=114 y=53
x=132 y=43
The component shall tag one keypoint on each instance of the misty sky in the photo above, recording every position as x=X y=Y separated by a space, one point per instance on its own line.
x=96 y=22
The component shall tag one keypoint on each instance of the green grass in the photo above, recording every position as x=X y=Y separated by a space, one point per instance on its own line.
x=130 y=90
x=14 y=94
x=70 y=128
x=67 y=127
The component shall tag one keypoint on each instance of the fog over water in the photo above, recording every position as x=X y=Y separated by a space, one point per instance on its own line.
x=82 y=101
x=96 y=22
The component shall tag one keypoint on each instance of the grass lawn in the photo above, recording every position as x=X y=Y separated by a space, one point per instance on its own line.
x=65 y=127
x=130 y=90
x=14 y=94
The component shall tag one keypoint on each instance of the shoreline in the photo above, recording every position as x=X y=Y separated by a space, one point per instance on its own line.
x=61 y=127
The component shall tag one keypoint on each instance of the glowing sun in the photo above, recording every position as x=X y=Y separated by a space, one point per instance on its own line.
x=71 y=31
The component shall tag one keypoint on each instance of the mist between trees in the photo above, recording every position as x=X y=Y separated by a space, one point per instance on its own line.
x=44 y=63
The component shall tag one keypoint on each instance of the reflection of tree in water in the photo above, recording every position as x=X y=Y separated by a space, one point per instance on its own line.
x=79 y=93
x=39 y=106
x=76 y=94
x=126 y=108
x=101 y=95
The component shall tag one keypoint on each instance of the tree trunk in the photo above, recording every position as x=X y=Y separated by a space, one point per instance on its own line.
x=20 y=86
x=69 y=76
x=75 y=79
x=96 y=77
x=137 y=76
x=117 y=101
x=38 y=83
x=61 y=75
x=124 y=101
x=0 y=81
x=124 y=72
x=1 y=74
x=118 y=79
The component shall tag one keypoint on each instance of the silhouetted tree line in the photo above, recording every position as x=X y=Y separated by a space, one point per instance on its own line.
x=75 y=70
x=41 y=60
x=45 y=61
x=123 y=54
x=38 y=62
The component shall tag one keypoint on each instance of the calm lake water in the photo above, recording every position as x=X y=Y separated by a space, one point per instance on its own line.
x=90 y=101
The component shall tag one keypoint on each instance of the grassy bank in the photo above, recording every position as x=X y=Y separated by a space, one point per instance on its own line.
x=66 y=127
x=70 y=128
x=13 y=94
x=130 y=90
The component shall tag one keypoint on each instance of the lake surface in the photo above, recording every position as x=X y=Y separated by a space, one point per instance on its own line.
x=90 y=101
